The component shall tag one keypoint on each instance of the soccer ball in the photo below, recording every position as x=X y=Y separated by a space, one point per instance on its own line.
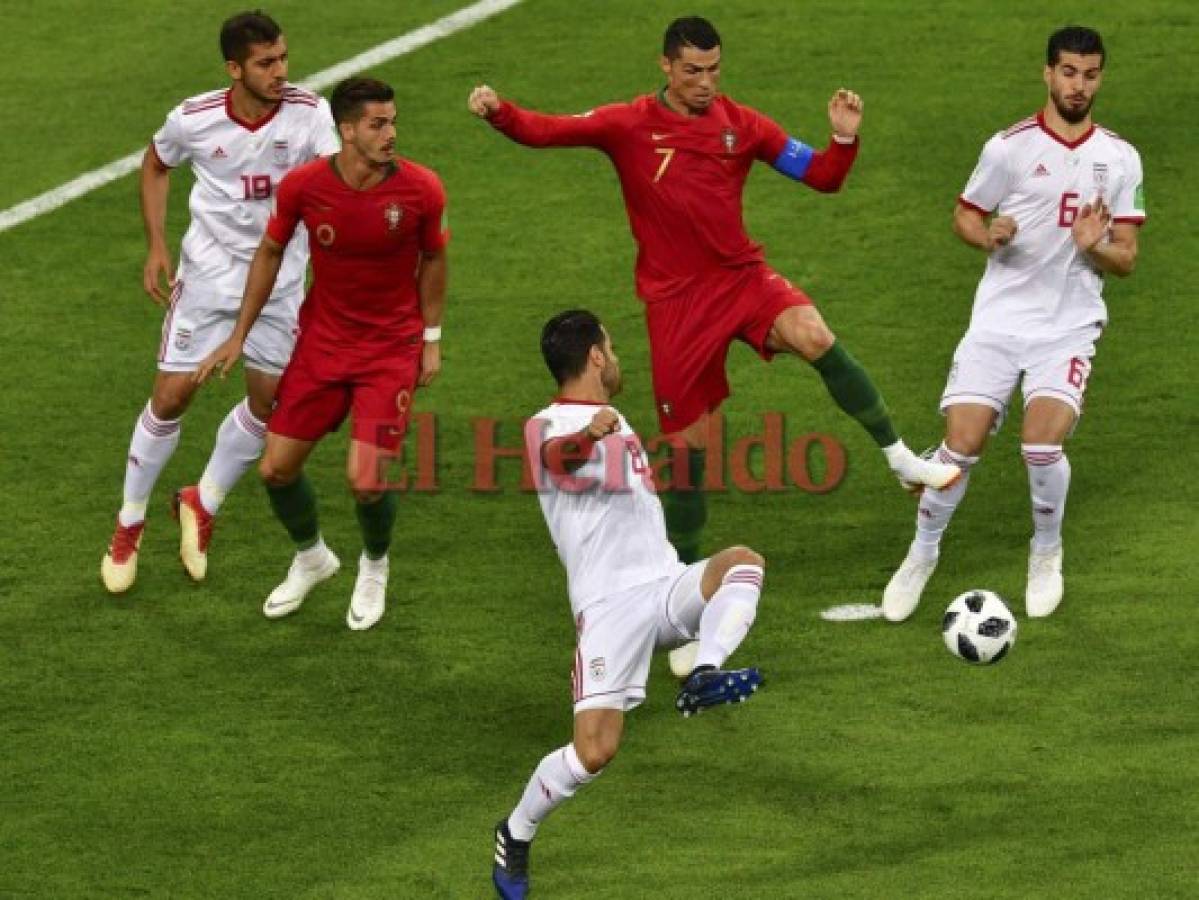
x=978 y=627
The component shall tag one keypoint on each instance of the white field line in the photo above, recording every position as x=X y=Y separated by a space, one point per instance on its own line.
x=385 y=52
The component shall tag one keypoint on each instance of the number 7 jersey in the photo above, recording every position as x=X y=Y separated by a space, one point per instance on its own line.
x=238 y=166
x=1041 y=282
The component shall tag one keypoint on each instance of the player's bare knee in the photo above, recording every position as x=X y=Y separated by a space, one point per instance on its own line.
x=273 y=474
x=744 y=556
x=170 y=400
x=596 y=752
x=815 y=340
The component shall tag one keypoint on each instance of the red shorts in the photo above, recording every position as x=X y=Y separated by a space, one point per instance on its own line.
x=320 y=387
x=689 y=337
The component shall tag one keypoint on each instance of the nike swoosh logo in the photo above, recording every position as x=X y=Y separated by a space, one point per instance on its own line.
x=658 y=137
x=356 y=617
x=275 y=604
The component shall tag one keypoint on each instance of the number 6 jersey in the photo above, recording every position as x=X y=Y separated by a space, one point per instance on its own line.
x=238 y=166
x=1041 y=282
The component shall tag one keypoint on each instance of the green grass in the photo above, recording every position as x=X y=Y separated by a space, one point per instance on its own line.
x=173 y=742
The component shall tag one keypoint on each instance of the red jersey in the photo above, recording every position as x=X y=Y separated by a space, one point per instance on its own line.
x=682 y=178
x=366 y=248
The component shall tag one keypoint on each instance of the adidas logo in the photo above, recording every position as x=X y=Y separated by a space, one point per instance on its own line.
x=1041 y=171
x=219 y=153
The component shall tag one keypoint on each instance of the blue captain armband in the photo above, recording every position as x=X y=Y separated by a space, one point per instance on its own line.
x=794 y=159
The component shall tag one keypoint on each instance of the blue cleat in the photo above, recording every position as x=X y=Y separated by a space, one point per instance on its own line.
x=511 y=870
x=708 y=686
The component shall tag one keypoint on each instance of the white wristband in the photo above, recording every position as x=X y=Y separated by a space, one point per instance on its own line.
x=844 y=140
x=432 y=333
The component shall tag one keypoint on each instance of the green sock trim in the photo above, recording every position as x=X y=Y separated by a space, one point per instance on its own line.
x=854 y=392
x=295 y=506
x=376 y=520
x=686 y=511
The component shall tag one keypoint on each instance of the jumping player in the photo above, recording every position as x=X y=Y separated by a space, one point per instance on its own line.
x=369 y=334
x=1056 y=203
x=629 y=593
x=683 y=155
x=240 y=141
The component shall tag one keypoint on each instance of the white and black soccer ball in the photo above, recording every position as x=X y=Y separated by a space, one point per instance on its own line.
x=978 y=627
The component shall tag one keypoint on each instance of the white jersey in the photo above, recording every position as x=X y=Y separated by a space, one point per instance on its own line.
x=1041 y=282
x=605 y=519
x=238 y=166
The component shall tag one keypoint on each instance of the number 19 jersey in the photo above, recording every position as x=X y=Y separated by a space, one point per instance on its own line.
x=1041 y=282
x=238 y=166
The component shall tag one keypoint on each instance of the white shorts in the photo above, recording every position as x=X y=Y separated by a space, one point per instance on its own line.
x=986 y=368
x=619 y=634
x=200 y=320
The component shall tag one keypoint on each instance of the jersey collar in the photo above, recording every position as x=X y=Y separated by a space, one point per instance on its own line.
x=1069 y=145
x=249 y=126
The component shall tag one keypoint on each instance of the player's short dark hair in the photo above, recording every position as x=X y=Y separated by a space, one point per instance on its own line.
x=351 y=95
x=689 y=31
x=240 y=31
x=1075 y=39
x=566 y=340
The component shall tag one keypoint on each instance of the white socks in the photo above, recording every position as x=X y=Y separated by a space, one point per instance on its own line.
x=1048 y=482
x=239 y=442
x=153 y=442
x=557 y=778
x=727 y=617
x=937 y=507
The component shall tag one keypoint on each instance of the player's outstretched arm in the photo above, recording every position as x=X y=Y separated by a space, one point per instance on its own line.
x=431 y=287
x=534 y=129
x=1115 y=252
x=155 y=187
x=822 y=170
x=972 y=227
x=264 y=269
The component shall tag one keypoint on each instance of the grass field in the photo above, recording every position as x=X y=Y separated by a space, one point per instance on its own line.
x=174 y=743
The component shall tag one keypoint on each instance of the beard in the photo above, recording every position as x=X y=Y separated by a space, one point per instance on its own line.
x=1072 y=114
x=611 y=380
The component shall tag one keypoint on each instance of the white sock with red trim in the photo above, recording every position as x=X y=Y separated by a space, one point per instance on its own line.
x=153 y=442
x=239 y=442
x=1048 y=482
x=727 y=617
x=936 y=508
x=557 y=778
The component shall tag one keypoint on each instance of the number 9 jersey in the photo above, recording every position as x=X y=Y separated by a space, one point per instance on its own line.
x=238 y=166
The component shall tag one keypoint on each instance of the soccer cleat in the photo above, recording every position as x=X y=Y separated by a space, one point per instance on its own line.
x=301 y=578
x=1045 y=582
x=708 y=686
x=915 y=473
x=370 y=594
x=902 y=594
x=118 y=569
x=195 y=530
x=510 y=874
x=682 y=659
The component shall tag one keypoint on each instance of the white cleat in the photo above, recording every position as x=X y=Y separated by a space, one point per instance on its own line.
x=1045 y=582
x=915 y=473
x=118 y=569
x=682 y=659
x=370 y=594
x=902 y=594
x=301 y=578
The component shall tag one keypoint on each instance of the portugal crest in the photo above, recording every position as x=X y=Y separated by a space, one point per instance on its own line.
x=729 y=137
x=393 y=214
x=325 y=234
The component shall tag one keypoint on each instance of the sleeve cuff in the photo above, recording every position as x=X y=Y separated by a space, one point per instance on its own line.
x=962 y=201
